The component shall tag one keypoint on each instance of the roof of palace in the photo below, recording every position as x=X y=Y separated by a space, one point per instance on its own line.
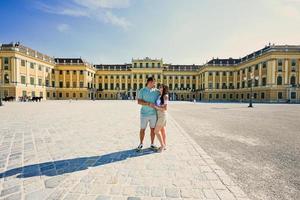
x=182 y=67
x=169 y=67
x=69 y=60
x=26 y=50
x=72 y=61
x=229 y=61
x=258 y=53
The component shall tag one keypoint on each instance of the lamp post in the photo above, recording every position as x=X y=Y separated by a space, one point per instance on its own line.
x=252 y=79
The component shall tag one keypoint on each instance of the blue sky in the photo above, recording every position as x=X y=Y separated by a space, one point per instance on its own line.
x=179 y=31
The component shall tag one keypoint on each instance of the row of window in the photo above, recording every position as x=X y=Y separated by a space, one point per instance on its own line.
x=237 y=96
x=74 y=72
x=279 y=68
x=141 y=85
x=255 y=96
x=67 y=95
x=23 y=64
x=210 y=85
x=147 y=65
x=32 y=66
x=140 y=76
x=33 y=93
x=293 y=62
x=238 y=85
x=292 y=80
x=47 y=83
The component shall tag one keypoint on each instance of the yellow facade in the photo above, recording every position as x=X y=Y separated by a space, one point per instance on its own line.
x=272 y=71
x=24 y=72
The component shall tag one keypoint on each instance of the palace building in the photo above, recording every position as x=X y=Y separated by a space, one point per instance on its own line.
x=270 y=74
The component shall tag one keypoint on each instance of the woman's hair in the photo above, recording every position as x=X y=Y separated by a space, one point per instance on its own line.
x=164 y=92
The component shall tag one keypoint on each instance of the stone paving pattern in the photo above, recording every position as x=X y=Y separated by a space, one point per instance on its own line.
x=85 y=150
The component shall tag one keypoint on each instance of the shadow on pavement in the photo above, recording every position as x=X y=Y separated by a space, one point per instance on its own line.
x=72 y=165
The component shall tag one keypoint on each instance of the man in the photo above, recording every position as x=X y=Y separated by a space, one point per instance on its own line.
x=147 y=97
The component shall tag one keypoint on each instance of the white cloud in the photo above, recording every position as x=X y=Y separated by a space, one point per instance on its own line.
x=62 y=10
x=115 y=20
x=94 y=4
x=63 y=28
x=100 y=10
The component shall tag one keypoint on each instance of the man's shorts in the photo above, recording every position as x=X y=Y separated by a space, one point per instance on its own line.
x=148 y=119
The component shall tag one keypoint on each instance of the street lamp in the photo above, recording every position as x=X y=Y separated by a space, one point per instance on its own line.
x=252 y=79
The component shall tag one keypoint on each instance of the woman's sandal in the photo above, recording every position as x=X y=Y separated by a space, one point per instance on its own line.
x=160 y=149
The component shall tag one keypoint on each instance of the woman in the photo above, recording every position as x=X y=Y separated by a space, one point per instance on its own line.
x=161 y=107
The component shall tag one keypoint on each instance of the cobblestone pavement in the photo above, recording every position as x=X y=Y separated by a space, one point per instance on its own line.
x=84 y=150
x=259 y=148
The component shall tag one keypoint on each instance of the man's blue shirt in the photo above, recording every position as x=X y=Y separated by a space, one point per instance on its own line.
x=148 y=95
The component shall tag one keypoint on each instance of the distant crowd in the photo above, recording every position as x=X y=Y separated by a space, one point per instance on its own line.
x=23 y=99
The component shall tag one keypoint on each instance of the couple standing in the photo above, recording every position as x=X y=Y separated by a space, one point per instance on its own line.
x=154 y=111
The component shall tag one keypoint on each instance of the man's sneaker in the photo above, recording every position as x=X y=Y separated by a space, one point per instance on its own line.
x=153 y=147
x=140 y=147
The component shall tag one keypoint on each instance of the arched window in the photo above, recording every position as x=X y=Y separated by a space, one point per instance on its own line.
x=293 y=80
x=6 y=78
x=140 y=85
x=279 y=80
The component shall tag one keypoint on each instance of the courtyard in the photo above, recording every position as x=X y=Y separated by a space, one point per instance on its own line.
x=85 y=150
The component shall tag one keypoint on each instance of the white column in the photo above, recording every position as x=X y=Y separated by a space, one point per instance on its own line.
x=126 y=82
x=206 y=80
x=173 y=82
x=286 y=71
x=103 y=81
x=184 y=81
x=35 y=74
x=57 y=78
x=71 y=79
x=260 y=74
x=144 y=78
x=50 y=76
x=241 y=78
x=64 y=78
x=221 y=79
x=246 y=75
x=108 y=82
x=18 y=71
x=227 y=79
x=214 y=80
x=77 y=79
x=131 y=82
x=273 y=72
x=138 y=81
x=197 y=82
x=234 y=79
x=27 y=72
x=44 y=77
x=96 y=80
x=85 y=78
x=115 y=82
